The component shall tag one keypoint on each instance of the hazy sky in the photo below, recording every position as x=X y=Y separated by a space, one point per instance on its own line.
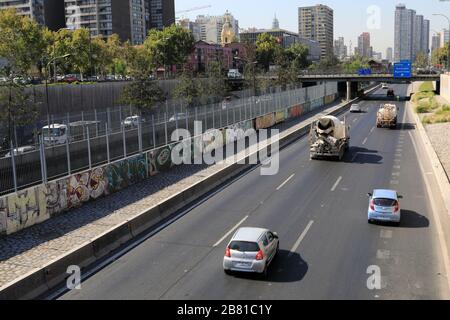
x=350 y=16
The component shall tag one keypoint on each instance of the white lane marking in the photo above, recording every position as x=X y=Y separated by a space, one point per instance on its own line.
x=354 y=120
x=436 y=217
x=396 y=174
x=336 y=184
x=354 y=157
x=286 y=181
x=229 y=232
x=364 y=142
x=383 y=254
x=300 y=239
x=397 y=167
x=395 y=182
x=371 y=130
x=385 y=234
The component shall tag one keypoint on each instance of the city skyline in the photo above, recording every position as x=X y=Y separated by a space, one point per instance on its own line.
x=347 y=24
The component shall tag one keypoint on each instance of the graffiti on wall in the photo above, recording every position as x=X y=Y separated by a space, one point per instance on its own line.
x=280 y=116
x=329 y=99
x=265 y=121
x=25 y=208
x=237 y=131
x=85 y=186
x=317 y=103
x=55 y=194
x=3 y=210
x=124 y=173
x=295 y=111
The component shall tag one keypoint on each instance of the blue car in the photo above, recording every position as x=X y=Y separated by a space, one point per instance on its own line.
x=384 y=206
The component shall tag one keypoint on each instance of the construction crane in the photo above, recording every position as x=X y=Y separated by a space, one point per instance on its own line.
x=190 y=10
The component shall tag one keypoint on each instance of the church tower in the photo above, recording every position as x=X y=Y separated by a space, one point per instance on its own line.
x=228 y=33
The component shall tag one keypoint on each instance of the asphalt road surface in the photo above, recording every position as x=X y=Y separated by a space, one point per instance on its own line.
x=323 y=204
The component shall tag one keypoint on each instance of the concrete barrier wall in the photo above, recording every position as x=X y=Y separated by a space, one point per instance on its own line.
x=445 y=86
x=34 y=205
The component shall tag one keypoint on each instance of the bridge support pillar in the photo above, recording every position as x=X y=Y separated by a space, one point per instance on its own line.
x=349 y=90
x=438 y=87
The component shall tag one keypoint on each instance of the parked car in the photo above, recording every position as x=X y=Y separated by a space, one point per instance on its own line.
x=132 y=121
x=384 y=205
x=70 y=78
x=384 y=86
x=21 y=150
x=234 y=73
x=177 y=117
x=251 y=250
x=355 y=108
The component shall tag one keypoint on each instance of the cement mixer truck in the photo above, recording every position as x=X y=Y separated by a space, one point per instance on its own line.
x=387 y=116
x=329 y=138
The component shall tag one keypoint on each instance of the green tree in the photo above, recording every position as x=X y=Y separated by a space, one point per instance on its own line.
x=298 y=55
x=216 y=86
x=355 y=63
x=188 y=89
x=251 y=67
x=170 y=46
x=440 y=55
x=81 y=50
x=143 y=95
x=21 y=42
x=266 y=49
x=421 y=60
x=286 y=72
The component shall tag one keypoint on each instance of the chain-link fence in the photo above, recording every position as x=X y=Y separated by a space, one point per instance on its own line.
x=73 y=143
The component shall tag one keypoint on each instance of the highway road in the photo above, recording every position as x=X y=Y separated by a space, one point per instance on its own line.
x=319 y=209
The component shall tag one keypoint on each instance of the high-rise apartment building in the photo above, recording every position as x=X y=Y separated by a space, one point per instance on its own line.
x=340 y=49
x=445 y=37
x=389 y=54
x=160 y=13
x=412 y=34
x=211 y=27
x=49 y=13
x=364 y=48
x=130 y=19
x=316 y=23
x=435 y=42
x=404 y=33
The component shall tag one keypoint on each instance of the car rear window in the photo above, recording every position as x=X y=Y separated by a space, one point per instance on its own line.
x=380 y=202
x=244 y=246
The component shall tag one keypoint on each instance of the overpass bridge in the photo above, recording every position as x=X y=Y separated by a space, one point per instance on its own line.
x=351 y=80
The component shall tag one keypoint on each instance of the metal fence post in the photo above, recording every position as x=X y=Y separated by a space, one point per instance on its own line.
x=153 y=132
x=124 y=141
x=107 y=143
x=43 y=161
x=96 y=122
x=140 y=134
x=213 y=116
x=165 y=128
x=13 y=164
x=69 y=169
x=108 y=117
x=89 y=147
x=206 y=118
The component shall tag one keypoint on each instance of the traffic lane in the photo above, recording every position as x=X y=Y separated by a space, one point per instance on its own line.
x=294 y=277
x=222 y=213
x=182 y=231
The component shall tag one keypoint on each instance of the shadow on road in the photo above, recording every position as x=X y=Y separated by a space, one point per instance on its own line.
x=287 y=267
x=410 y=219
x=363 y=156
x=405 y=126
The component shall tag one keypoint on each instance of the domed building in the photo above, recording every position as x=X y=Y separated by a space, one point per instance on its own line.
x=228 y=34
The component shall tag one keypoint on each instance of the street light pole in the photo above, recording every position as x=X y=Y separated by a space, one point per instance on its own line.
x=448 y=48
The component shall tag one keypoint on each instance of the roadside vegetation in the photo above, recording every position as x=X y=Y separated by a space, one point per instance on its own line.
x=428 y=106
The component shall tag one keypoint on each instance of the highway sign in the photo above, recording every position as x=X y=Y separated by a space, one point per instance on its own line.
x=364 y=72
x=403 y=69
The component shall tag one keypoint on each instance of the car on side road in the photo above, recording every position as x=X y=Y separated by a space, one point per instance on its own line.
x=390 y=93
x=251 y=250
x=384 y=86
x=355 y=108
x=384 y=206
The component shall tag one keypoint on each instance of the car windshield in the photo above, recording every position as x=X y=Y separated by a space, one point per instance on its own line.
x=381 y=202
x=244 y=246
x=53 y=132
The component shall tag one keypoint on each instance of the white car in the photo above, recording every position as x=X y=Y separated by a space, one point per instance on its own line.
x=384 y=86
x=132 y=121
x=355 y=108
x=177 y=117
x=234 y=73
x=21 y=150
x=251 y=250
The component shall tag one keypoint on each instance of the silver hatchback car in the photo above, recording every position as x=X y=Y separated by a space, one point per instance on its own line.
x=384 y=206
x=251 y=250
